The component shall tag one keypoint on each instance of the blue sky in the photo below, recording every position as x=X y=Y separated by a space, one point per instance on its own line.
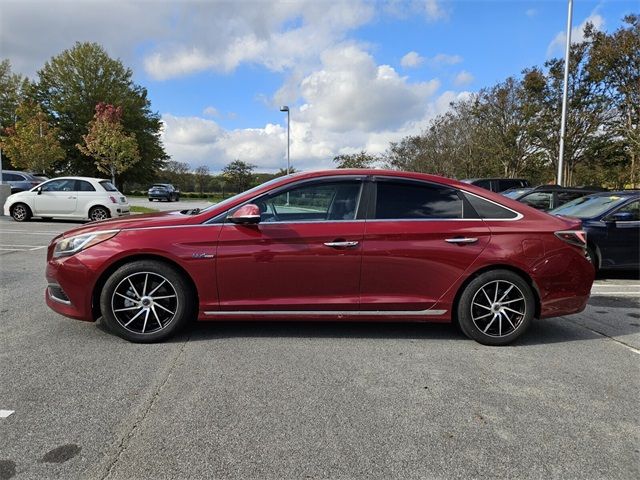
x=356 y=74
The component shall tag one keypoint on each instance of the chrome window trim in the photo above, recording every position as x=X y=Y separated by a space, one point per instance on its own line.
x=327 y=312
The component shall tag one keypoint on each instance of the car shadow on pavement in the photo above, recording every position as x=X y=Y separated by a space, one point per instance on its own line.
x=618 y=275
x=540 y=332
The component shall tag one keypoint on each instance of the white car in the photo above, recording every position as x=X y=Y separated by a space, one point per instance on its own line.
x=68 y=197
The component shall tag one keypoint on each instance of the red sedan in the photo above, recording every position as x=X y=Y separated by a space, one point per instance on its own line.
x=333 y=245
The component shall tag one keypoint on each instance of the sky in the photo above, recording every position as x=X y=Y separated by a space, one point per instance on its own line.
x=355 y=74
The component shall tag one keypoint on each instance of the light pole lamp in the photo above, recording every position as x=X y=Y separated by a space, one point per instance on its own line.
x=285 y=108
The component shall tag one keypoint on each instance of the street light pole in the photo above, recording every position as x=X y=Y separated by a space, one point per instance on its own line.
x=565 y=88
x=285 y=108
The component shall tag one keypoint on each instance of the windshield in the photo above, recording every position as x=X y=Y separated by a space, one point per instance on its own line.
x=587 y=207
x=108 y=186
x=516 y=193
x=230 y=200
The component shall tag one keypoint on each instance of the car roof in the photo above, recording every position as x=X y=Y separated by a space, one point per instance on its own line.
x=619 y=193
x=94 y=179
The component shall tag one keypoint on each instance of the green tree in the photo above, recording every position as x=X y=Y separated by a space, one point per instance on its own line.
x=71 y=84
x=201 y=176
x=283 y=171
x=239 y=175
x=615 y=61
x=12 y=88
x=32 y=144
x=113 y=150
x=362 y=159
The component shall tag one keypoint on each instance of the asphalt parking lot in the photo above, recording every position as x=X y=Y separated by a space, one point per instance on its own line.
x=312 y=400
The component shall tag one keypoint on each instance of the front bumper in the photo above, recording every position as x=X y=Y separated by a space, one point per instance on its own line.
x=69 y=286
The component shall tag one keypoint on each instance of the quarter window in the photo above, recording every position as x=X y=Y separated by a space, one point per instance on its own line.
x=323 y=201
x=406 y=200
x=84 y=186
x=489 y=210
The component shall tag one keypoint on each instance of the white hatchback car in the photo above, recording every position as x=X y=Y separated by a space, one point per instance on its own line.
x=68 y=197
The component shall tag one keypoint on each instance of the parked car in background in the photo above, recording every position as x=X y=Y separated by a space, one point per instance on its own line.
x=164 y=191
x=548 y=197
x=342 y=244
x=68 y=197
x=498 y=184
x=19 y=181
x=612 y=223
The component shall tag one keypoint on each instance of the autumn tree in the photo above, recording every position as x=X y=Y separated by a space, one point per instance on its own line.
x=71 y=84
x=239 y=175
x=31 y=143
x=113 y=150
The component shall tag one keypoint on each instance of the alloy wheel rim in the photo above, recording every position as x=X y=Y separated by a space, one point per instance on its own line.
x=19 y=212
x=498 y=308
x=144 y=302
x=99 y=214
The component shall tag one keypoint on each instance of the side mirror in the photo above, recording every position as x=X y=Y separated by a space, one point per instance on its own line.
x=620 y=217
x=39 y=190
x=248 y=214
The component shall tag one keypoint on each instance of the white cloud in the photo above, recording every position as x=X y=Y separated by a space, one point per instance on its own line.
x=349 y=103
x=434 y=10
x=557 y=45
x=444 y=59
x=411 y=60
x=532 y=12
x=463 y=78
x=211 y=112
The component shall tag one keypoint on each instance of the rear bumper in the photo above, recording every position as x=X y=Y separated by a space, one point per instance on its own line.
x=119 y=210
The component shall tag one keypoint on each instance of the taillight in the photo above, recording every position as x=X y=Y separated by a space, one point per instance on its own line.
x=113 y=200
x=573 y=237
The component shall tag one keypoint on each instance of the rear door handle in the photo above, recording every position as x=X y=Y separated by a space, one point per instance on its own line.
x=341 y=244
x=461 y=240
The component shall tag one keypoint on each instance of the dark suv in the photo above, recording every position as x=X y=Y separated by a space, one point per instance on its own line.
x=548 y=197
x=164 y=191
x=19 y=181
x=498 y=184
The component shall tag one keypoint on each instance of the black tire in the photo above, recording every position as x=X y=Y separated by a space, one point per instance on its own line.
x=593 y=258
x=21 y=212
x=151 y=324
x=151 y=199
x=178 y=198
x=489 y=318
x=98 y=213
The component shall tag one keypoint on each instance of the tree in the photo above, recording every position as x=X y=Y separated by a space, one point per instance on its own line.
x=201 y=175
x=239 y=175
x=71 y=84
x=12 y=88
x=32 y=144
x=362 y=159
x=615 y=61
x=283 y=171
x=113 y=150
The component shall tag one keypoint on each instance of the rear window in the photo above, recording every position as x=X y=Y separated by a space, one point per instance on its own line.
x=489 y=210
x=404 y=200
x=108 y=186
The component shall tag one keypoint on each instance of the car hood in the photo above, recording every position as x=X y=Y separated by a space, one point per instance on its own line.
x=160 y=219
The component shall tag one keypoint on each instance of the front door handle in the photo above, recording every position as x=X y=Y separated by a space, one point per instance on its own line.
x=341 y=244
x=461 y=240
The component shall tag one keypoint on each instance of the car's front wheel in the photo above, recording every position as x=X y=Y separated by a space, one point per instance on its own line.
x=496 y=307
x=98 y=213
x=20 y=212
x=146 y=301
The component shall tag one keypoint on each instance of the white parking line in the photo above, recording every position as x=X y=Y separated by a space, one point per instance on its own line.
x=616 y=294
x=6 y=413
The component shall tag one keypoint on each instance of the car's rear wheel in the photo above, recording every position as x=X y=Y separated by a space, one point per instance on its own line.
x=98 y=213
x=146 y=301
x=20 y=212
x=496 y=307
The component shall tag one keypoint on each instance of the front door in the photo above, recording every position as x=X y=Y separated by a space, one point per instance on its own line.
x=304 y=255
x=57 y=197
x=416 y=245
x=623 y=237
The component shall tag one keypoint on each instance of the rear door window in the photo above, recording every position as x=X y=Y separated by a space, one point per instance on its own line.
x=409 y=200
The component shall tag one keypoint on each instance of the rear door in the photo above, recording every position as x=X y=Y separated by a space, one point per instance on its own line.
x=304 y=255
x=623 y=238
x=416 y=244
x=57 y=197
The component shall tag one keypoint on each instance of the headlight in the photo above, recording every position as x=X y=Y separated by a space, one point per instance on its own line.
x=71 y=245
